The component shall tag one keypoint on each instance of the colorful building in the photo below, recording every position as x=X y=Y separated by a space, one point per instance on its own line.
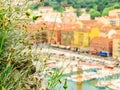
x=85 y=32
x=37 y=32
x=116 y=46
x=84 y=16
x=101 y=44
x=67 y=34
x=81 y=39
x=94 y=32
x=45 y=9
x=117 y=28
x=114 y=12
x=54 y=33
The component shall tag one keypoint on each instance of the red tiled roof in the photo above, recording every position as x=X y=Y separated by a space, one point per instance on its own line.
x=116 y=27
x=91 y=23
x=64 y=26
x=88 y=21
x=36 y=26
x=106 y=28
x=110 y=17
x=102 y=39
x=116 y=36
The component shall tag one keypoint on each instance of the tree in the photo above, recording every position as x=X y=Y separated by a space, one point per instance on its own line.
x=60 y=9
x=100 y=7
x=106 y=11
x=116 y=6
x=87 y=9
x=94 y=13
x=46 y=4
x=78 y=12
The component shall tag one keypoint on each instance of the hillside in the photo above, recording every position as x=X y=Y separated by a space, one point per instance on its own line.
x=94 y=7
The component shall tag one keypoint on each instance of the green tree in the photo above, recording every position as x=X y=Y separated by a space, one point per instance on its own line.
x=100 y=7
x=116 y=6
x=60 y=9
x=88 y=4
x=78 y=12
x=94 y=13
x=106 y=11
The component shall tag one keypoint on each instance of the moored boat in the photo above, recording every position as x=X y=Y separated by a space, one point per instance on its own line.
x=101 y=85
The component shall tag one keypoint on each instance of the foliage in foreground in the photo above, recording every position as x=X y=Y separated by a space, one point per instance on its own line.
x=17 y=71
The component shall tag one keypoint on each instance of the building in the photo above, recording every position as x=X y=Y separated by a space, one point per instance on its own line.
x=45 y=9
x=116 y=46
x=88 y=23
x=108 y=20
x=69 y=9
x=118 y=18
x=83 y=10
x=82 y=37
x=54 y=32
x=52 y=17
x=84 y=16
x=37 y=32
x=101 y=44
x=87 y=30
x=67 y=34
x=69 y=15
x=112 y=20
x=117 y=28
x=114 y=12
x=104 y=30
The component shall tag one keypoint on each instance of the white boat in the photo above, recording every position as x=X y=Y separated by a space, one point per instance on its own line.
x=78 y=78
x=101 y=85
x=69 y=78
x=112 y=87
x=68 y=47
x=62 y=46
x=54 y=45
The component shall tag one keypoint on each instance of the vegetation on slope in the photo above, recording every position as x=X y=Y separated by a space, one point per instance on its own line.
x=94 y=7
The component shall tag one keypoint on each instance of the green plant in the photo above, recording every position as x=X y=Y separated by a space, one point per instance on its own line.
x=17 y=56
x=78 y=12
x=65 y=84
x=54 y=77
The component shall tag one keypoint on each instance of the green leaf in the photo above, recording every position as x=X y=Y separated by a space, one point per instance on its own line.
x=3 y=88
x=28 y=12
x=41 y=0
x=35 y=17
x=5 y=72
x=65 y=84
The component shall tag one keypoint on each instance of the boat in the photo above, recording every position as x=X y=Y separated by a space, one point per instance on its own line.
x=62 y=46
x=54 y=45
x=112 y=87
x=68 y=47
x=75 y=78
x=101 y=85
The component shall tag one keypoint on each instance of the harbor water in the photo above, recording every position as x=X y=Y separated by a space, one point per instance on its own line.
x=87 y=85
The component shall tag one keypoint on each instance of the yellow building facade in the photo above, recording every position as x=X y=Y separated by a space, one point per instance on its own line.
x=81 y=38
x=94 y=33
